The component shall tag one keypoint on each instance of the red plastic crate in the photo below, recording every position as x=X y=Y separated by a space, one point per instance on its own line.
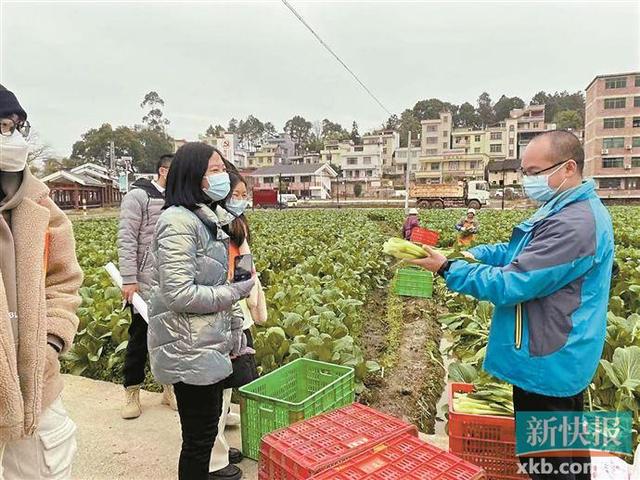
x=404 y=458
x=311 y=446
x=488 y=441
x=425 y=236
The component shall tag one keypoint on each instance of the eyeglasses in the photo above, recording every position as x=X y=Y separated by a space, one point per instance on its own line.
x=8 y=126
x=533 y=174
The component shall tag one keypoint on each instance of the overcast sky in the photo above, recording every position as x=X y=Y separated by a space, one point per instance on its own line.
x=77 y=65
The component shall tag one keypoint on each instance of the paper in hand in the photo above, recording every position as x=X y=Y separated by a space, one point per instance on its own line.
x=138 y=303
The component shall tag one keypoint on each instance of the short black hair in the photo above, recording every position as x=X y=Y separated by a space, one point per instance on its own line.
x=165 y=161
x=565 y=145
x=184 y=183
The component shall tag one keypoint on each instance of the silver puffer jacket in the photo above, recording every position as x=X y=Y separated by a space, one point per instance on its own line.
x=195 y=320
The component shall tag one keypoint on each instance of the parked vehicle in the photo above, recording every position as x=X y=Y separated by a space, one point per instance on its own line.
x=472 y=194
x=265 y=198
x=288 y=200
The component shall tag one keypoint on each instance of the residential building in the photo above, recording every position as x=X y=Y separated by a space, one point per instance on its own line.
x=230 y=147
x=522 y=125
x=307 y=158
x=612 y=134
x=305 y=181
x=451 y=166
x=503 y=173
x=265 y=156
x=389 y=141
x=472 y=141
x=286 y=144
x=399 y=168
x=362 y=162
x=333 y=151
x=436 y=135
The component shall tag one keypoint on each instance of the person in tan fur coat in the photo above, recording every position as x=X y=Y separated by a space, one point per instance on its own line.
x=39 y=283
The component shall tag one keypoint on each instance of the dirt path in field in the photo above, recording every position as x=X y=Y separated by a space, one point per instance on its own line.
x=408 y=342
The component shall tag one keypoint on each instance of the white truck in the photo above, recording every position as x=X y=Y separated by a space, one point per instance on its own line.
x=472 y=194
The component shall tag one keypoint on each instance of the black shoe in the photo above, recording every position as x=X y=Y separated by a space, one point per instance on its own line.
x=235 y=456
x=230 y=472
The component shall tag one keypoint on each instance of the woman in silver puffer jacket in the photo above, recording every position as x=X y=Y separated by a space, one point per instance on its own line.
x=195 y=322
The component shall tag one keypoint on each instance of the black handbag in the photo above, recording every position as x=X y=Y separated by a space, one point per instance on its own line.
x=245 y=369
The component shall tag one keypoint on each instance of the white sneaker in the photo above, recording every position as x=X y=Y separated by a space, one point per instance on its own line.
x=169 y=397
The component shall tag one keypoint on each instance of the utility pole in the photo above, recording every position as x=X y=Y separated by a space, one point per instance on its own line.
x=504 y=190
x=406 y=177
x=112 y=157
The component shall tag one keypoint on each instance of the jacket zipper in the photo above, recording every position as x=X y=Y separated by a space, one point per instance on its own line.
x=518 y=332
x=143 y=263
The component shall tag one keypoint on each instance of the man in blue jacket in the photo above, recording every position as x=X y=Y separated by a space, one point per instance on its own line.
x=549 y=284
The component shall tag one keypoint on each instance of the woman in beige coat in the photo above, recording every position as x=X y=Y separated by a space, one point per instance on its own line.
x=40 y=277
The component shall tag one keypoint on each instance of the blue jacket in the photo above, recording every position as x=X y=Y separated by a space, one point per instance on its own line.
x=550 y=287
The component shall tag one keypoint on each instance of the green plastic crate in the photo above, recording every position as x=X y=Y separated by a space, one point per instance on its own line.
x=413 y=282
x=301 y=389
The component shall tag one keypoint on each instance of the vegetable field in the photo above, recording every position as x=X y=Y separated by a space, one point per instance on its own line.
x=321 y=269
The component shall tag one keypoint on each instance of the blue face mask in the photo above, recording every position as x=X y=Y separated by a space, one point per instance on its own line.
x=237 y=207
x=219 y=186
x=537 y=186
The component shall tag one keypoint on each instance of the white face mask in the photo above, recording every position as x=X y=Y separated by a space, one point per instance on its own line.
x=13 y=152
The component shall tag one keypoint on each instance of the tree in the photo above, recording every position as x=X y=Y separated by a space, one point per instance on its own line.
x=154 y=118
x=485 y=110
x=357 y=189
x=355 y=136
x=215 y=132
x=314 y=144
x=270 y=130
x=428 y=109
x=539 y=98
x=53 y=165
x=251 y=130
x=154 y=144
x=392 y=123
x=408 y=122
x=94 y=145
x=298 y=128
x=505 y=105
x=568 y=119
x=333 y=131
x=233 y=126
x=468 y=117
x=39 y=152
x=558 y=102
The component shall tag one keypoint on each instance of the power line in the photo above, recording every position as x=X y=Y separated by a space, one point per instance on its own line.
x=322 y=42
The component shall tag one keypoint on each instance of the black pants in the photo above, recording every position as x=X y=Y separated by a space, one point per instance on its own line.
x=199 y=407
x=532 y=402
x=135 y=358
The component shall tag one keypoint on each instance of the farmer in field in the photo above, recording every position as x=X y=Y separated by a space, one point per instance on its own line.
x=139 y=213
x=40 y=278
x=468 y=227
x=550 y=285
x=410 y=223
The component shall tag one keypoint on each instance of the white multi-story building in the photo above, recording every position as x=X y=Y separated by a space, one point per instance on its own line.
x=362 y=163
x=305 y=181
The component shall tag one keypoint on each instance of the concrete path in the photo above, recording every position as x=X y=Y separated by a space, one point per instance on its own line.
x=148 y=447
x=110 y=448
